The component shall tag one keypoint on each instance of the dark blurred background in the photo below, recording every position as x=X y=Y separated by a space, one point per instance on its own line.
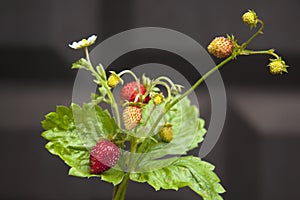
x=257 y=156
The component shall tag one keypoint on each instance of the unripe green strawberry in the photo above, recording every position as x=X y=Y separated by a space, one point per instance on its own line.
x=277 y=66
x=166 y=133
x=132 y=115
x=250 y=18
x=103 y=156
x=220 y=47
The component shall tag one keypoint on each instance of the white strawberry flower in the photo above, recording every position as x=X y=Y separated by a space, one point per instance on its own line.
x=84 y=42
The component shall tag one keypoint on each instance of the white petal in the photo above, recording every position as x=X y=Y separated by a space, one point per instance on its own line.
x=74 y=45
x=92 y=39
x=81 y=43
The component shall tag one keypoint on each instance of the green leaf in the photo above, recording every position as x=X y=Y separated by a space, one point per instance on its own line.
x=72 y=132
x=61 y=119
x=186 y=171
x=112 y=175
x=150 y=114
x=92 y=123
x=188 y=132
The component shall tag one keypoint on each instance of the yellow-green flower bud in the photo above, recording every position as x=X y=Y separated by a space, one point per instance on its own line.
x=277 y=66
x=250 y=18
x=114 y=79
x=158 y=98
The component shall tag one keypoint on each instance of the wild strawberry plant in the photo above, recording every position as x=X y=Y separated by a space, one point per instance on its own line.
x=142 y=142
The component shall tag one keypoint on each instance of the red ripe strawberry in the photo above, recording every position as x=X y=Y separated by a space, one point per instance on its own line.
x=103 y=156
x=132 y=115
x=130 y=92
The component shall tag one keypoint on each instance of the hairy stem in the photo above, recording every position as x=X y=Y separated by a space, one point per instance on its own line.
x=252 y=52
x=128 y=72
x=87 y=54
x=120 y=189
x=114 y=105
x=109 y=93
x=167 y=88
x=166 y=79
x=171 y=104
x=244 y=45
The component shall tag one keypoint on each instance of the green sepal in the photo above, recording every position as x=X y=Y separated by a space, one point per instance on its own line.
x=101 y=71
x=81 y=64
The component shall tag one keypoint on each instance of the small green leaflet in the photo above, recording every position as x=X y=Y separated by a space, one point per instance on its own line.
x=72 y=132
x=81 y=64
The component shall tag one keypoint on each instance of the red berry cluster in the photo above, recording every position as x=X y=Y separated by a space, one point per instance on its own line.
x=132 y=115
x=105 y=154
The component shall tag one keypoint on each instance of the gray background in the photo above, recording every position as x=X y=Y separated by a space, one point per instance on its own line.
x=257 y=154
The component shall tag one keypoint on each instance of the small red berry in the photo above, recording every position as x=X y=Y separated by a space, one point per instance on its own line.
x=103 y=156
x=130 y=92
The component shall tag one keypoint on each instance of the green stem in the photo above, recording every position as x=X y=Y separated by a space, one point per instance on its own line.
x=244 y=45
x=205 y=76
x=128 y=72
x=166 y=79
x=169 y=106
x=120 y=189
x=87 y=54
x=109 y=93
x=114 y=104
x=167 y=88
x=252 y=52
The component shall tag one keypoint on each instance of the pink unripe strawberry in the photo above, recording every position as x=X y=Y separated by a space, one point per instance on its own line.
x=220 y=47
x=132 y=115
